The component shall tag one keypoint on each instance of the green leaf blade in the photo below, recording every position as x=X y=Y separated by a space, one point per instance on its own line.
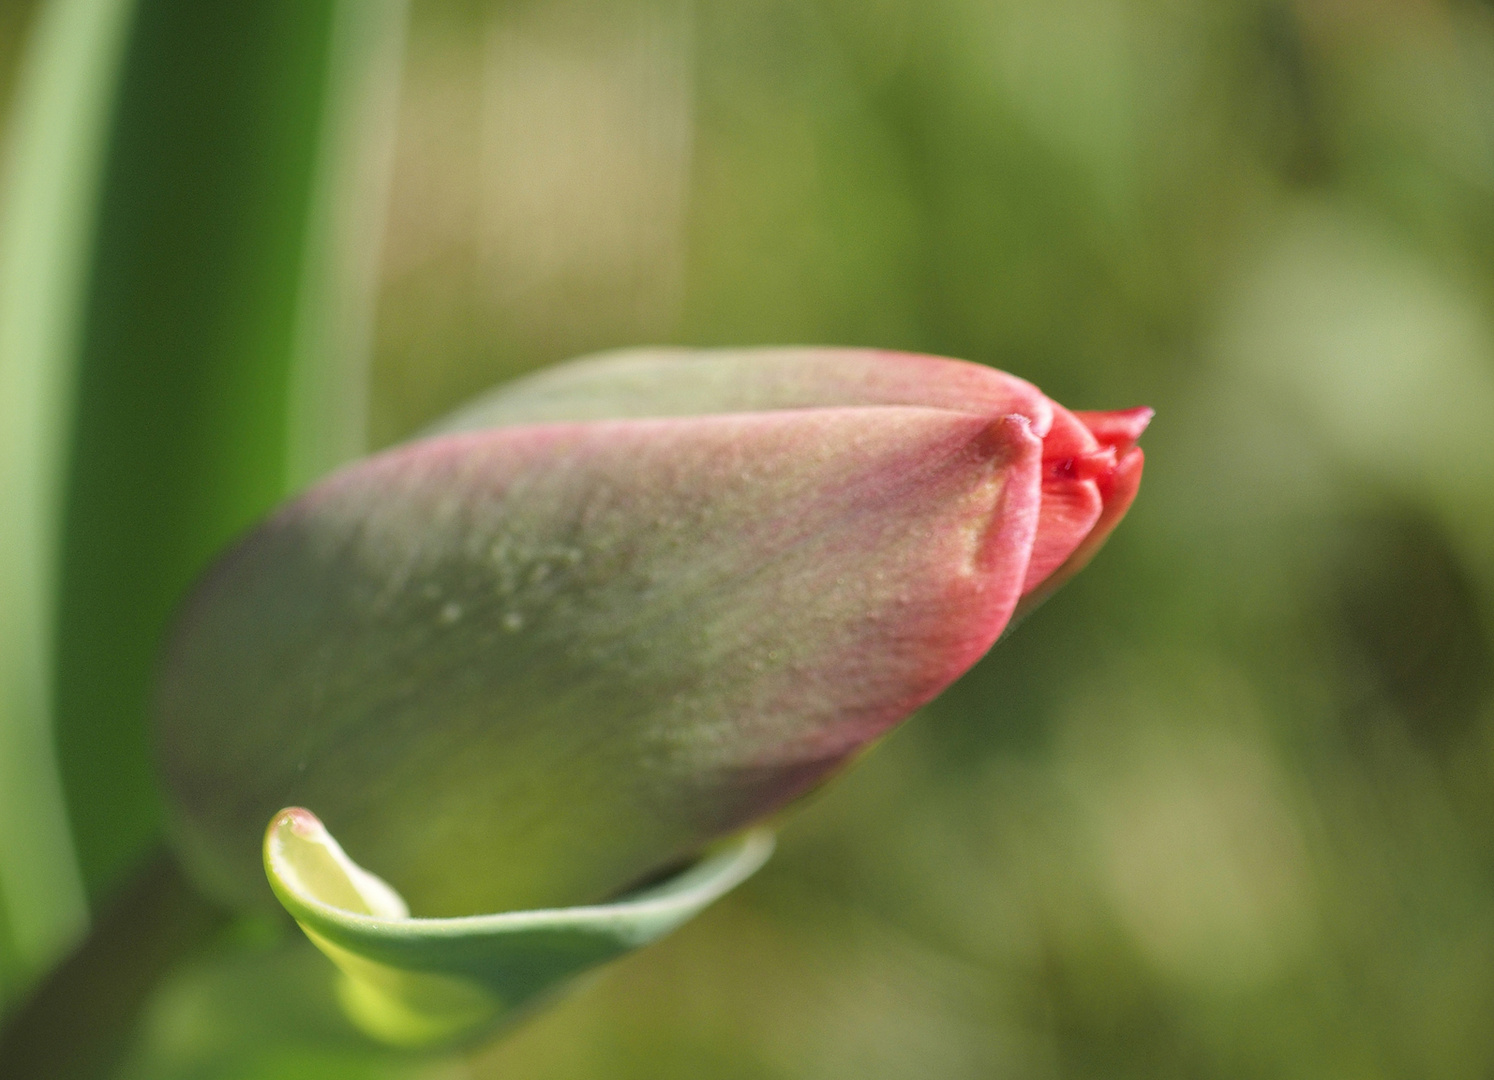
x=57 y=139
x=417 y=982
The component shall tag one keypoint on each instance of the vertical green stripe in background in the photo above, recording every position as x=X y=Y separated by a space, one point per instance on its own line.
x=54 y=153
x=181 y=409
x=223 y=330
x=348 y=206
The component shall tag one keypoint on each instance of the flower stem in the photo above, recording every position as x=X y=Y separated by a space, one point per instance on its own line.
x=78 y=1021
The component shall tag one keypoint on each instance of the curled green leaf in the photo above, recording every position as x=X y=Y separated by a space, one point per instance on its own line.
x=417 y=982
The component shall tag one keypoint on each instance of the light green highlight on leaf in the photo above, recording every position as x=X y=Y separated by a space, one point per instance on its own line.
x=328 y=394
x=418 y=982
x=55 y=155
x=227 y=294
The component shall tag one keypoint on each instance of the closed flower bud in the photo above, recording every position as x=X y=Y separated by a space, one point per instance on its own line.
x=612 y=613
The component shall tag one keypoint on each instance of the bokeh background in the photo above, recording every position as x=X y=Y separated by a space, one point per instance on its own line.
x=1224 y=807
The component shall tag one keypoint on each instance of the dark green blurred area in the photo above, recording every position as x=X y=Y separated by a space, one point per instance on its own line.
x=1225 y=806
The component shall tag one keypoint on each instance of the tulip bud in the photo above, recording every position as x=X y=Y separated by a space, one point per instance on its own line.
x=605 y=616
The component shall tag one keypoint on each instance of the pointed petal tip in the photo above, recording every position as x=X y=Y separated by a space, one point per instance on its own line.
x=1116 y=490
x=1018 y=430
x=1119 y=428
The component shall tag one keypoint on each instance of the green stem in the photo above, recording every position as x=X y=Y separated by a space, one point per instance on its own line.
x=79 y=1021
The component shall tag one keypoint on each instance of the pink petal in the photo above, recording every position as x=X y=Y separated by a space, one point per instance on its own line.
x=1120 y=428
x=1116 y=490
x=636 y=383
x=1070 y=509
x=523 y=667
x=1070 y=500
x=1085 y=491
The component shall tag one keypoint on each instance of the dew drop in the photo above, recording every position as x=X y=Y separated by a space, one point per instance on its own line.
x=513 y=621
x=451 y=612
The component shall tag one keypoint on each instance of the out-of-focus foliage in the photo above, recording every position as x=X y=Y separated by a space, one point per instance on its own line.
x=173 y=307
x=1225 y=806
x=51 y=179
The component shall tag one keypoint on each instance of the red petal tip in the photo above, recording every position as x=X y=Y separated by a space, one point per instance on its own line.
x=1120 y=428
x=1083 y=466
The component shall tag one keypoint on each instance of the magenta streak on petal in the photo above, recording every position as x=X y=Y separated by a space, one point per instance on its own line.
x=1081 y=466
x=1116 y=493
x=1118 y=486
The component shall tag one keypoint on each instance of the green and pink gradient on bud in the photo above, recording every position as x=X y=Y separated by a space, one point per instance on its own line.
x=617 y=610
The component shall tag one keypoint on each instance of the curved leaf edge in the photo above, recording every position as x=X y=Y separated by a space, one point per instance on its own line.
x=426 y=982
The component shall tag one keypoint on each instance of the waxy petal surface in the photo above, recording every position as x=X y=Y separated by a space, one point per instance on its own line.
x=1116 y=490
x=1090 y=475
x=1070 y=509
x=1120 y=428
x=635 y=383
x=684 y=382
x=523 y=667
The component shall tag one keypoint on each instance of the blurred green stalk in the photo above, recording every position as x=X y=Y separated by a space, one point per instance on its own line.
x=218 y=350
x=186 y=277
x=333 y=337
x=55 y=158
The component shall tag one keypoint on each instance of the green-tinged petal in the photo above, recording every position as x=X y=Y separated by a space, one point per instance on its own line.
x=416 y=982
x=525 y=667
x=1082 y=489
x=634 y=383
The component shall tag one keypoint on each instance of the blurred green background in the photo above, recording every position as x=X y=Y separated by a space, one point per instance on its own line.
x=1225 y=806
